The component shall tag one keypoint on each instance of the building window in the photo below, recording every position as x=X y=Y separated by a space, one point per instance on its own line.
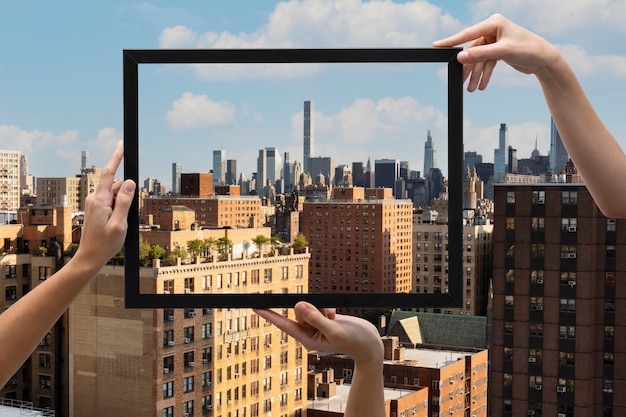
x=568 y=304
x=510 y=223
x=569 y=224
x=537 y=223
x=566 y=358
x=567 y=332
x=537 y=250
x=569 y=197
x=168 y=389
x=609 y=332
x=188 y=384
x=510 y=197
x=538 y=197
x=508 y=301
x=44 y=272
x=536 y=329
x=536 y=303
x=536 y=277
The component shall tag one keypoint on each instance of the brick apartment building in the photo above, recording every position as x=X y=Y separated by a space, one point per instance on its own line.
x=430 y=261
x=188 y=362
x=558 y=346
x=360 y=241
x=42 y=378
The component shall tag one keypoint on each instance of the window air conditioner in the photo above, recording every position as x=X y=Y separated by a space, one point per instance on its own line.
x=170 y=318
x=205 y=361
x=561 y=415
x=538 y=387
x=571 y=283
x=571 y=229
x=531 y=412
x=541 y=201
x=192 y=314
x=170 y=343
x=532 y=359
x=166 y=370
x=540 y=307
x=571 y=255
x=209 y=407
x=540 y=281
x=192 y=364
x=561 y=388
x=187 y=340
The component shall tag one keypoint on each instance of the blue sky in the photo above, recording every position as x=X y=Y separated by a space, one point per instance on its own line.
x=61 y=80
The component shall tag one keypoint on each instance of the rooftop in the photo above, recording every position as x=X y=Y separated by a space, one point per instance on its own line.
x=16 y=408
x=338 y=402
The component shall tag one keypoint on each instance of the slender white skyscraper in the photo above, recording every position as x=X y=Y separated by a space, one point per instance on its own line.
x=177 y=170
x=219 y=167
x=84 y=160
x=309 y=134
x=558 y=153
x=430 y=155
x=261 y=172
x=500 y=155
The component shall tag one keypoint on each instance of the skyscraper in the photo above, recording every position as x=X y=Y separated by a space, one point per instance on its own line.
x=309 y=134
x=324 y=165
x=219 y=167
x=558 y=153
x=287 y=173
x=10 y=180
x=231 y=172
x=387 y=172
x=177 y=169
x=261 y=172
x=500 y=154
x=430 y=155
x=274 y=165
x=84 y=160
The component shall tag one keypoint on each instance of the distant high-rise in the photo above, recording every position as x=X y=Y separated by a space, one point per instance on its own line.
x=10 y=180
x=309 y=134
x=430 y=155
x=274 y=164
x=231 y=172
x=261 y=172
x=358 y=174
x=84 y=160
x=322 y=165
x=405 y=170
x=512 y=160
x=287 y=173
x=27 y=184
x=471 y=159
x=558 y=153
x=501 y=153
x=387 y=172
x=219 y=167
x=177 y=170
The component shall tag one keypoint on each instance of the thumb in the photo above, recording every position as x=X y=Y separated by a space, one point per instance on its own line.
x=123 y=200
x=307 y=313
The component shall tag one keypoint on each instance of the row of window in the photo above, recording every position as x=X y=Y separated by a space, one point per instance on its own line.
x=539 y=197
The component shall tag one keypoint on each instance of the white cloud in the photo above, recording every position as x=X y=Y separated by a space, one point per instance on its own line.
x=192 y=111
x=320 y=24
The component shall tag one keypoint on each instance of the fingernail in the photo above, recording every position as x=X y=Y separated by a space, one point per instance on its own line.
x=129 y=186
x=461 y=56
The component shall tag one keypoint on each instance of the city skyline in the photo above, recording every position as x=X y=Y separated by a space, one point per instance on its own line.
x=69 y=98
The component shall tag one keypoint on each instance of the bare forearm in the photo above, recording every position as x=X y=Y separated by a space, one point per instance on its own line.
x=595 y=152
x=366 y=393
x=27 y=321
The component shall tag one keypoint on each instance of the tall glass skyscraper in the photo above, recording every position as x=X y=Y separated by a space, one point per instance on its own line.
x=558 y=153
x=500 y=155
x=274 y=164
x=177 y=170
x=219 y=167
x=309 y=134
x=430 y=155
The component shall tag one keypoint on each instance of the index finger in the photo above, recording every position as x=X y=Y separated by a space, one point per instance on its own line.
x=107 y=175
x=485 y=28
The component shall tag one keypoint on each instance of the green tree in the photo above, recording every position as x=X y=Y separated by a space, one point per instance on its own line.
x=180 y=253
x=196 y=247
x=209 y=245
x=260 y=241
x=223 y=246
x=156 y=252
x=300 y=243
x=144 y=251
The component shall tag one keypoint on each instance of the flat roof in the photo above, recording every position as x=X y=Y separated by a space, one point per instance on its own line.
x=430 y=358
x=338 y=402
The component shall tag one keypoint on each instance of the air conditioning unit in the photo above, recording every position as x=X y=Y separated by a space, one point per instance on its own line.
x=561 y=388
x=187 y=340
x=187 y=415
x=561 y=415
x=540 y=307
x=538 y=387
x=243 y=351
x=540 y=281
x=192 y=364
x=229 y=285
x=187 y=290
x=541 y=201
x=192 y=314
x=166 y=370
x=531 y=412
x=229 y=402
x=571 y=255
x=170 y=343
x=205 y=361
x=166 y=292
x=236 y=375
x=532 y=359
x=571 y=229
x=209 y=407
x=571 y=283
x=209 y=336
x=170 y=318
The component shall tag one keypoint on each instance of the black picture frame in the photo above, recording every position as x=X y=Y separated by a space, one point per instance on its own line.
x=132 y=58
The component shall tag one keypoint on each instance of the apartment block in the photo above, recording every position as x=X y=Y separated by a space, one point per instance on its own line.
x=72 y=191
x=9 y=180
x=32 y=251
x=558 y=292
x=430 y=261
x=441 y=382
x=187 y=362
x=357 y=244
x=210 y=212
